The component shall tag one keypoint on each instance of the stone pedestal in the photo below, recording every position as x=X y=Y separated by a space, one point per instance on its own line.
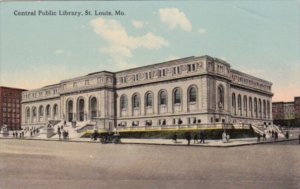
x=50 y=132
x=5 y=133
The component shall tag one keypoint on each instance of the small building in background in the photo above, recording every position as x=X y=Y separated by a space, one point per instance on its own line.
x=10 y=107
x=287 y=113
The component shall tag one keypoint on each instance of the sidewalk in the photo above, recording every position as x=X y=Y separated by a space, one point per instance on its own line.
x=169 y=142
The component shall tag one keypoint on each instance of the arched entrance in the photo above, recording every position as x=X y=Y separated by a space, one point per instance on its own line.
x=70 y=111
x=81 y=110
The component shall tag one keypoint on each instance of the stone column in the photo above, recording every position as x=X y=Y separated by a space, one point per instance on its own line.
x=170 y=101
x=184 y=99
x=75 y=109
x=86 y=108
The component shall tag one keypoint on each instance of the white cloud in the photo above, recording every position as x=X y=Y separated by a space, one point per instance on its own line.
x=201 y=31
x=171 y=57
x=223 y=58
x=137 y=24
x=59 y=51
x=119 y=44
x=175 y=18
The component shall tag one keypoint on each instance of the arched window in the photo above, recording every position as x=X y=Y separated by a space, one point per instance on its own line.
x=163 y=98
x=259 y=108
x=55 y=110
x=48 y=110
x=81 y=109
x=240 y=104
x=27 y=114
x=233 y=103
x=123 y=102
x=177 y=96
x=264 y=108
x=93 y=107
x=250 y=107
x=136 y=101
x=245 y=105
x=220 y=97
x=70 y=110
x=255 y=107
x=34 y=112
x=268 y=109
x=149 y=98
x=192 y=94
x=41 y=111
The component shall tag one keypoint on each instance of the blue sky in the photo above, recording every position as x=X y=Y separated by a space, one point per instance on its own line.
x=257 y=37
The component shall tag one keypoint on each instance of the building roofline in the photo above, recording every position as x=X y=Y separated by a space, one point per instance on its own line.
x=158 y=64
x=251 y=76
x=104 y=71
x=5 y=87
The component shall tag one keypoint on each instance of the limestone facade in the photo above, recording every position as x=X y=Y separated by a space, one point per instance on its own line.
x=193 y=90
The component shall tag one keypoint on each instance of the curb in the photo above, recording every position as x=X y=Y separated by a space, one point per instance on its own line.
x=158 y=144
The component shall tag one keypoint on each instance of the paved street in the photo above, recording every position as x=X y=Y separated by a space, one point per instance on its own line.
x=51 y=164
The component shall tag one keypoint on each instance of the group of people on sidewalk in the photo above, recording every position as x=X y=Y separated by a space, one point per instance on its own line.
x=106 y=137
x=188 y=137
x=61 y=131
x=21 y=133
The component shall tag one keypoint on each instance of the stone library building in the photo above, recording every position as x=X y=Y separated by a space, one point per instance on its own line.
x=194 y=91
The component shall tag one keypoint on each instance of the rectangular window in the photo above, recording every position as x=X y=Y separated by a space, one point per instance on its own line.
x=86 y=82
x=193 y=67
x=150 y=75
x=146 y=75
x=164 y=72
x=178 y=69
x=174 y=70
x=159 y=73
x=189 y=67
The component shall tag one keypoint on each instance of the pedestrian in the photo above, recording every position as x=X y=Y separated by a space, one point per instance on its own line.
x=264 y=137
x=202 y=137
x=224 y=137
x=31 y=133
x=227 y=137
x=276 y=135
x=14 y=134
x=272 y=134
x=96 y=134
x=287 y=135
x=175 y=137
x=196 y=138
x=188 y=138
x=258 y=137
x=59 y=133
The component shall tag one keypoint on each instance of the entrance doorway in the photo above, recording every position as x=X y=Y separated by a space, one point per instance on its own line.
x=81 y=109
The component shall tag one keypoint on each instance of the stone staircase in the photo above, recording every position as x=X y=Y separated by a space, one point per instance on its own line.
x=262 y=129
